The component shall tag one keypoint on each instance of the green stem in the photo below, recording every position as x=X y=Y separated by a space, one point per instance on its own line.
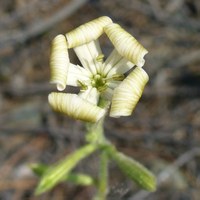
x=103 y=177
x=95 y=135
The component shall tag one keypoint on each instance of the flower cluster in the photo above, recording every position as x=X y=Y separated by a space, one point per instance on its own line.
x=96 y=78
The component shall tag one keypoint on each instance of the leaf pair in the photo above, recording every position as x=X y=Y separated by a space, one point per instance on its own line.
x=62 y=171
x=59 y=172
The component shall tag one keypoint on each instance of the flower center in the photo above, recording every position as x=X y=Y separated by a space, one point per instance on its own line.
x=99 y=82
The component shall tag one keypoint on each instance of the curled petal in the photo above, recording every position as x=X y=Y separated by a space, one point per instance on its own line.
x=128 y=93
x=59 y=62
x=75 y=107
x=126 y=44
x=87 y=32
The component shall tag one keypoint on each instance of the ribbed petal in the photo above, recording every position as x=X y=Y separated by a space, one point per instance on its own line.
x=75 y=107
x=91 y=95
x=128 y=93
x=126 y=44
x=87 y=54
x=87 y=32
x=59 y=62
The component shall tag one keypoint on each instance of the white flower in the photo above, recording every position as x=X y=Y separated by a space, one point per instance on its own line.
x=95 y=78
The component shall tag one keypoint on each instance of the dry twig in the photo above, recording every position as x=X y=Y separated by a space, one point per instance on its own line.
x=39 y=27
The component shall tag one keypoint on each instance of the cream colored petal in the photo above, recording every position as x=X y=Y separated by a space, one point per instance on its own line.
x=91 y=95
x=111 y=61
x=113 y=84
x=87 y=32
x=77 y=74
x=87 y=54
x=95 y=51
x=107 y=94
x=75 y=107
x=128 y=93
x=126 y=44
x=59 y=62
x=121 y=67
x=116 y=64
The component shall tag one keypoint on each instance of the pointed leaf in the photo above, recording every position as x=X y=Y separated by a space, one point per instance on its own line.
x=76 y=178
x=57 y=173
x=135 y=171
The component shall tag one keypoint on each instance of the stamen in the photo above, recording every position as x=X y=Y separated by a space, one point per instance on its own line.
x=115 y=77
x=98 y=82
x=82 y=85
x=100 y=58
x=102 y=88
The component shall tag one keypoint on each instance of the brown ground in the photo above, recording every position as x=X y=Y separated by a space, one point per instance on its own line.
x=164 y=131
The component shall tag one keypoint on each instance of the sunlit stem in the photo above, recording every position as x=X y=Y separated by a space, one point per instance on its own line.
x=95 y=134
x=95 y=131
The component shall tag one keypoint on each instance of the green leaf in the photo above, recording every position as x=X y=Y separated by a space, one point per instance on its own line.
x=59 y=171
x=76 y=178
x=38 y=168
x=81 y=179
x=134 y=170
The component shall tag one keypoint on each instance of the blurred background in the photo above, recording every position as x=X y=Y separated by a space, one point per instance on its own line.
x=164 y=131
